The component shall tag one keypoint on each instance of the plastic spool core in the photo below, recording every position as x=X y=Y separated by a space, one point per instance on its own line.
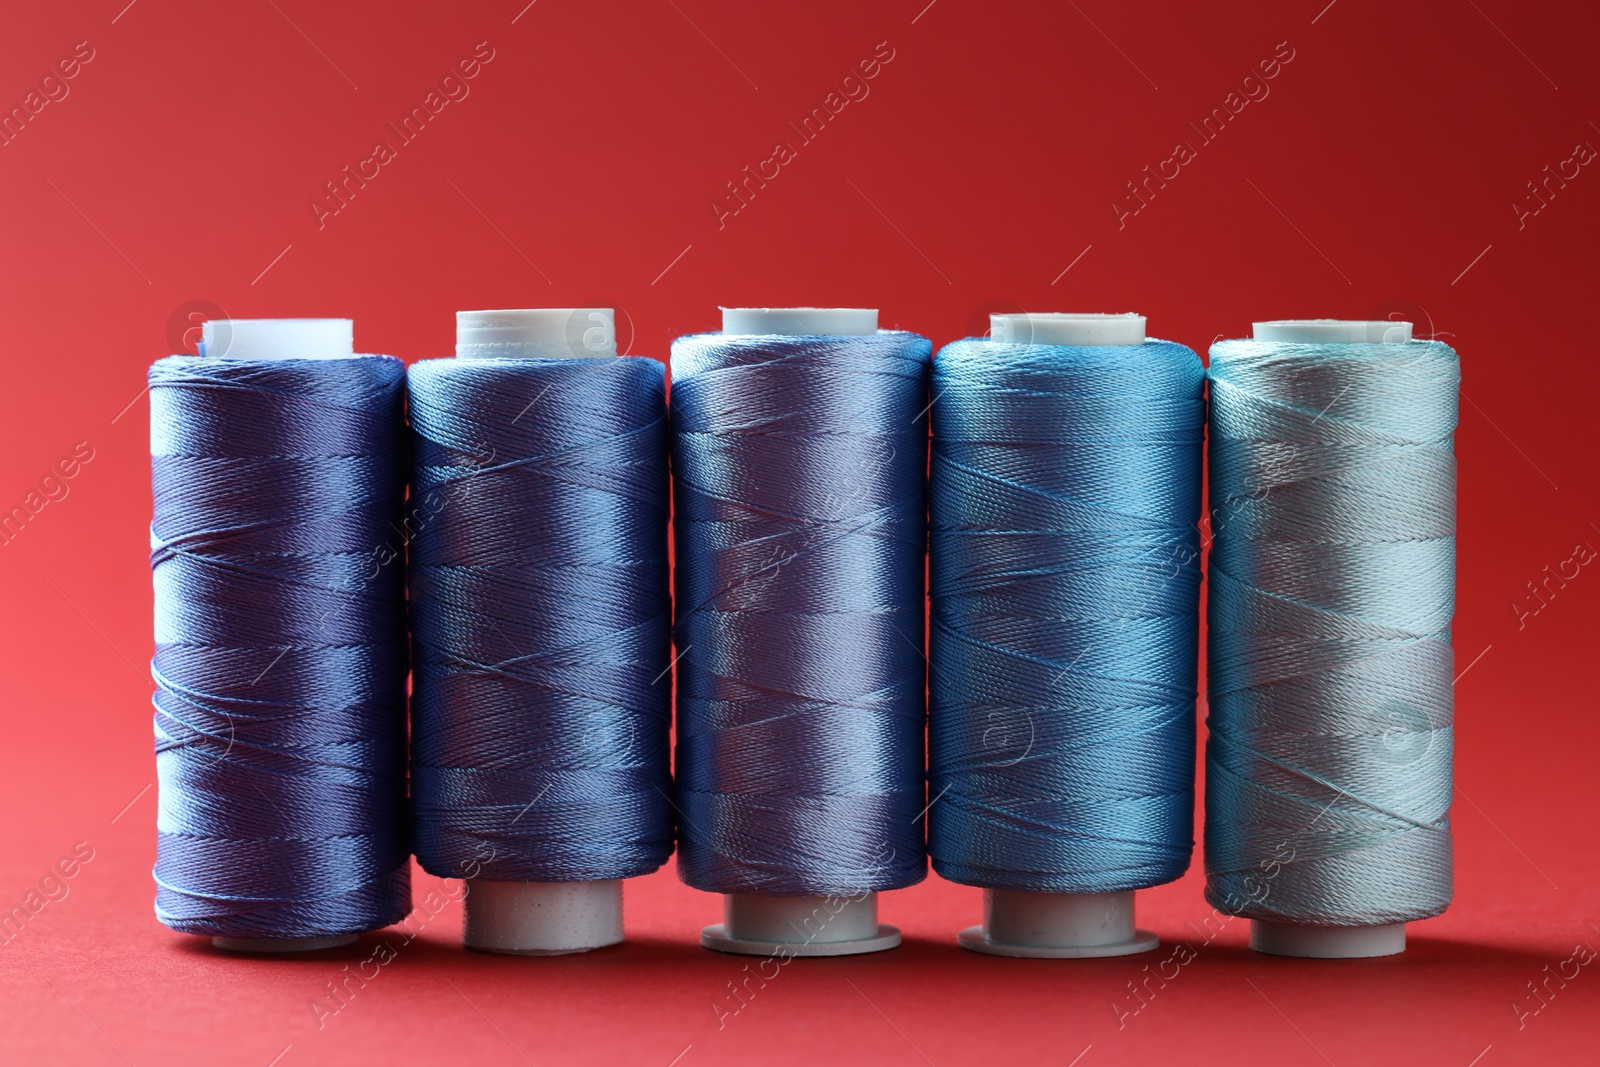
x=1043 y=925
x=1299 y=939
x=269 y=339
x=532 y=333
x=277 y=339
x=760 y=925
x=539 y=918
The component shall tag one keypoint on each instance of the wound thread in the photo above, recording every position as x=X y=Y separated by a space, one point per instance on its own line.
x=280 y=658
x=540 y=618
x=1332 y=584
x=1064 y=559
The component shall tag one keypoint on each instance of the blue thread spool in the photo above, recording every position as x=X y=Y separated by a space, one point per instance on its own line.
x=766 y=831
x=1332 y=585
x=1106 y=597
x=280 y=722
x=520 y=769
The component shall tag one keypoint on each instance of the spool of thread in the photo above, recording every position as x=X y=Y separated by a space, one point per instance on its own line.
x=1332 y=584
x=1064 y=562
x=278 y=461
x=541 y=622
x=799 y=460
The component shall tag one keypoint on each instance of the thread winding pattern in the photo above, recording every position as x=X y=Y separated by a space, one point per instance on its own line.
x=799 y=471
x=1065 y=574
x=1332 y=584
x=541 y=619
x=280 y=657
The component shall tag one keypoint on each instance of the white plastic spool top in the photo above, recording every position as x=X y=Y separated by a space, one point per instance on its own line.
x=757 y=925
x=1060 y=925
x=1062 y=328
x=549 y=333
x=278 y=339
x=801 y=322
x=1296 y=939
x=1333 y=331
x=539 y=918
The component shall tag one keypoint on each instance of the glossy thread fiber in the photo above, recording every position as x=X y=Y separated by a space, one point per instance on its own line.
x=1332 y=572
x=1064 y=560
x=280 y=645
x=541 y=620
x=799 y=471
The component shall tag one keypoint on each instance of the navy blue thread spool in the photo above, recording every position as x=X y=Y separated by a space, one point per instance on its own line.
x=800 y=451
x=541 y=625
x=278 y=467
x=1065 y=580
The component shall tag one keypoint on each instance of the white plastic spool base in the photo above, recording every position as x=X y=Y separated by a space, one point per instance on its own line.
x=1057 y=926
x=1327 y=942
x=277 y=339
x=1332 y=331
x=799 y=926
x=1039 y=925
x=542 y=918
x=1298 y=939
x=756 y=925
x=548 y=333
x=539 y=918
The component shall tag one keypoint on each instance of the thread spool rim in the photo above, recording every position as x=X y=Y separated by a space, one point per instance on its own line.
x=717 y=938
x=275 y=945
x=538 y=952
x=977 y=939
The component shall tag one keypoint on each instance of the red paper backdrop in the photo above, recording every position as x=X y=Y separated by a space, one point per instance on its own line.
x=1376 y=172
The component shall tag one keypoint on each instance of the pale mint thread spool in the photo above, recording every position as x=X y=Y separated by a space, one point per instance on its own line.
x=1337 y=469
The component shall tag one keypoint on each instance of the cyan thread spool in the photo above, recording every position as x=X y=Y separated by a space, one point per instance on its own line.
x=1064 y=559
x=540 y=767
x=1331 y=590
x=782 y=514
x=278 y=461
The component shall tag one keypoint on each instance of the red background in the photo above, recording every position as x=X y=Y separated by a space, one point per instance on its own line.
x=1377 y=176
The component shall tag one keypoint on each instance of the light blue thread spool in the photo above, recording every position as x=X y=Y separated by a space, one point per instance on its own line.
x=1059 y=841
